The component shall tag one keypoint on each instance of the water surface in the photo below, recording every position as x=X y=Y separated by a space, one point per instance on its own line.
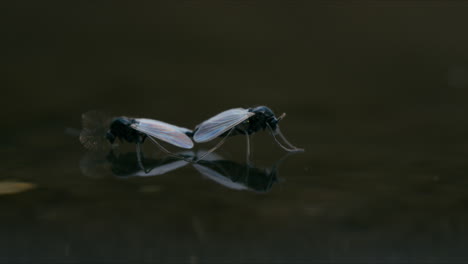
x=375 y=93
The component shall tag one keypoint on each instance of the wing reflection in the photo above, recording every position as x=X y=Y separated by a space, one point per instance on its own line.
x=239 y=176
x=228 y=173
x=126 y=165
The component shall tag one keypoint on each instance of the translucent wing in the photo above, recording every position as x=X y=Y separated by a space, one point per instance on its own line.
x=93 y=134
x=166 y=132
x=220 y=123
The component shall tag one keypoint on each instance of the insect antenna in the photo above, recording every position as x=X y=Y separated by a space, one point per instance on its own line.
x=281 y=117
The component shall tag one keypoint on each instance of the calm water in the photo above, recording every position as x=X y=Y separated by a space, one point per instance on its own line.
x=375 y=93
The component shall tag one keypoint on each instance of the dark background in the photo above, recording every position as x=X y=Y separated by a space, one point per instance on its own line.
x=375 y=91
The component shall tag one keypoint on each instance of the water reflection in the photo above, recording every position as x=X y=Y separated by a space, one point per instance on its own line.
x=228 y=173
x=125 y=165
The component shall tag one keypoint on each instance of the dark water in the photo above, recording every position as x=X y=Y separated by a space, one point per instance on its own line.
x=375 y=93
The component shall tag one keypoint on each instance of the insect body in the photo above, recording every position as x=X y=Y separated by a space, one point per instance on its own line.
x=138 y=129
x=241 y=121
x=132 y=130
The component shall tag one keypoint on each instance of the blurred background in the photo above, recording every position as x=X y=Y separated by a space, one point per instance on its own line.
x=375 y=91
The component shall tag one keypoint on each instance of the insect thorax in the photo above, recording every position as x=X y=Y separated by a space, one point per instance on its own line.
x=263 y=116
x=121 y=128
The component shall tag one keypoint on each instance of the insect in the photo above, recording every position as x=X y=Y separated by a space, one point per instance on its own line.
x=238 y=121
x=135 y=130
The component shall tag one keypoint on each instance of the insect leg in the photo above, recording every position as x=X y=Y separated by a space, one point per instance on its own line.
x=286 y=141
x=247 y=171
x=291 y=147
x=167 y=151
x=139 y=155
x=248 y=148
x=217 y=145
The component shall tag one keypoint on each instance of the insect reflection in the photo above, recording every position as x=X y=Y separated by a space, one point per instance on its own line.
x=228 y=173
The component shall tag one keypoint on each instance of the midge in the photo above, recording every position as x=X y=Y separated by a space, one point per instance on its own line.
x=241 y=121
x=136 y=130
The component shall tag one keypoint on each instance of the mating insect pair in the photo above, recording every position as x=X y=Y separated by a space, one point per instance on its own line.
x=225 y=124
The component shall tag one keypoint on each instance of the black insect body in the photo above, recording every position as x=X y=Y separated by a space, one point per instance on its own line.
x=134 y=130
x=241 y=121
x=262 y=118
x=121 y=128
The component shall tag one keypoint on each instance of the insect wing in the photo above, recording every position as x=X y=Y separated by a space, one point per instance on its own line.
x=166 y=132
x=93 y=134
x=220 y=123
